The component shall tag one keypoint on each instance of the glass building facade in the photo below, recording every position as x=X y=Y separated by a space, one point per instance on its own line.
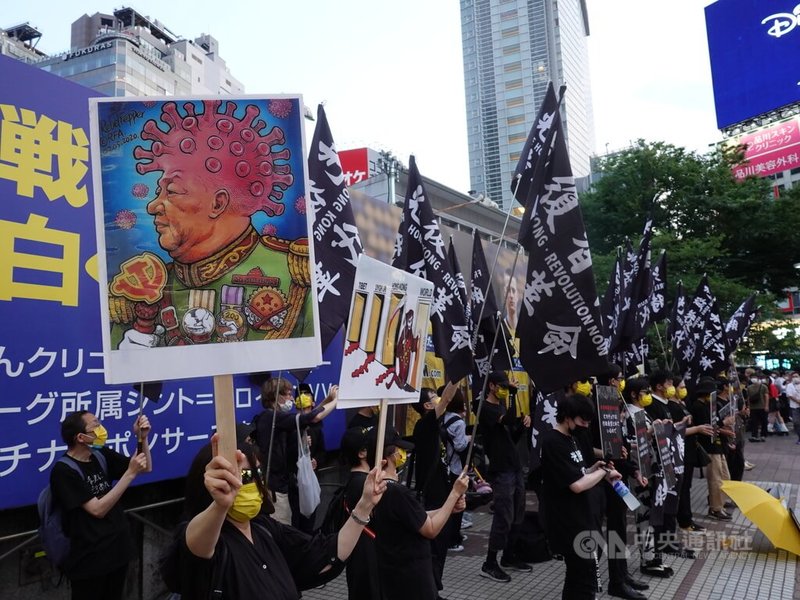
x=512 y=49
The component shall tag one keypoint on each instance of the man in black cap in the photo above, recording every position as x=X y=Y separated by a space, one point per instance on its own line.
x=501 y=429
x=717 y=470
x=403 y=528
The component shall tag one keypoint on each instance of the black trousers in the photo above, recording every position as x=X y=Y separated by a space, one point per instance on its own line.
x=616 y=535
x=580 y=581
x=735 y=458
x=684 y=516
x=108 y=587
x=758 y=422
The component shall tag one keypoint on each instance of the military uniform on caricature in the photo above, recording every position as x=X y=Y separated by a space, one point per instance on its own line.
x=257 y=288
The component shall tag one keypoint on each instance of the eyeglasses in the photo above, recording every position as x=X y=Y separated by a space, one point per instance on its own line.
x=251 y=475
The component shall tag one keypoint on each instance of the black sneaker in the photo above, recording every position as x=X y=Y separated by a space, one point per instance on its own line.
x=694 y=527
x=515 y=565
x=656 y=568
x=719 y=515
x=494 y=572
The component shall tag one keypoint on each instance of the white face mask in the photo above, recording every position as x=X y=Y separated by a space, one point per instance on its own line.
x=795 y=379
x=285 y=407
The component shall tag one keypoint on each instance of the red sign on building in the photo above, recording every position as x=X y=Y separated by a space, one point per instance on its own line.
x=358 y=164
x=770 y=150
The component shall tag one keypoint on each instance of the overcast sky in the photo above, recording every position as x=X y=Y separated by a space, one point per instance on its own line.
x=391 y=74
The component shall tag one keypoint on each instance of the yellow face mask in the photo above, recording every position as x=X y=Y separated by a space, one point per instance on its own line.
x=682 y=393
x=247 y=503
x=304 y=400
x=670 y=391
x=101 y=437
x=584 y=388
x=400 y=458
x=646 y=400
x=501 y=393
x=621 y=386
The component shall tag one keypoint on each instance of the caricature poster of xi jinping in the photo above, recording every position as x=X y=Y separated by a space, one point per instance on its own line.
x=204 y=260
x=385 y=336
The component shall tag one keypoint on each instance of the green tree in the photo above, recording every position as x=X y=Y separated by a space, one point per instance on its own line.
x=706 y=220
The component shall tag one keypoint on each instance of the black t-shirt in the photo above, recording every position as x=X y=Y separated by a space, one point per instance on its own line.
x=701 y=415
x=564 y=513
x=658 y=410
x=360 y=420
x=495 y=426
x=280 y=561
x=404 y=555
x=431 y=476
x=97 y=545
x=363 y=581
x=678 y=412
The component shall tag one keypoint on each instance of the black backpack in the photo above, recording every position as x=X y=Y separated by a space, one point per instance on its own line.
x=336 y=514
x=51 y=529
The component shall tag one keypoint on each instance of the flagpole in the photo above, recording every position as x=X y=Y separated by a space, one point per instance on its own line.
x=661 y=343
x=272 y=433
x=498 y=327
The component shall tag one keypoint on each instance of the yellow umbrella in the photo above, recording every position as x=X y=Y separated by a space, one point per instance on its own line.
x=766 y=512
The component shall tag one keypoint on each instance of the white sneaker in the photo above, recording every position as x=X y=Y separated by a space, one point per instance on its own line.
x=456 y=548
x=748 y=466
x=466 y=524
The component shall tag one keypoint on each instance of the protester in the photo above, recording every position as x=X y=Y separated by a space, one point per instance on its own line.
x=313 y=436
x=621 y=583
x=680 y=414
x=101 y=544
x=432 y=481
x=501 y=428
x=365 y=417
x=454 y=433
x=230 y=542
x=637 y=397
x=363 y=582
x=565 y=509
x=277 y=398
x=717 y=469
x=661 y=384
x=404 y=529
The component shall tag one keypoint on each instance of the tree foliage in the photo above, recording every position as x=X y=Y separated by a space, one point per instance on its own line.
x=708 y=222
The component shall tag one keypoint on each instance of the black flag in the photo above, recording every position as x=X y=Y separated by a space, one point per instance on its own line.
x=740 y=321
x=337 y=245
x=712 y=345
x=560 y=330
x=455 y=268
x=535 y=144
x=635 y=310
x=658 y=289
x=543 y=418
x=483 y=306
x=419 y=249
x=611 y=304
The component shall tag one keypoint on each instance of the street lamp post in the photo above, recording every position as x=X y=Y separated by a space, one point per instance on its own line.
x=391 y=166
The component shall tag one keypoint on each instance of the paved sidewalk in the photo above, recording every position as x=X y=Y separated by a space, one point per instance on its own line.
x=735 y=560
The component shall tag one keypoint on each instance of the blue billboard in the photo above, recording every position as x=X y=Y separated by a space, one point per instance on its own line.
x=51 y=359
x=753 y=46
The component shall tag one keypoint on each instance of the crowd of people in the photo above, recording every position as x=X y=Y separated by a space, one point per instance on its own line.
x=243 y=533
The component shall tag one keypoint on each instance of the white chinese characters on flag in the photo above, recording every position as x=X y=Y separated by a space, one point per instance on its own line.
x=384 y=354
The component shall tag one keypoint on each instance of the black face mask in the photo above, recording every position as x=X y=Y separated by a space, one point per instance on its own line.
x=579 y=429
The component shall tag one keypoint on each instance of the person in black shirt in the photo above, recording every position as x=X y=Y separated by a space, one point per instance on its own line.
x=717 y=470
x=100 y=540
x=661 y=389
x=277 y=397
x=314 y=437
x=679 y=413
x=366 y=416
x=230 y=541
x=432 y=479
x=501 y=429
x=403 y=528
x=362 y=568
x=565 y=509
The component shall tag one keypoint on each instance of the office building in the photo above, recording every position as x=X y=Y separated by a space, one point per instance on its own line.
x=512 y=49
x=128 y=54
x=19 y=41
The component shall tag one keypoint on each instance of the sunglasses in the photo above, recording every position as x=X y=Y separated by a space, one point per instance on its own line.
x=251 y=475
